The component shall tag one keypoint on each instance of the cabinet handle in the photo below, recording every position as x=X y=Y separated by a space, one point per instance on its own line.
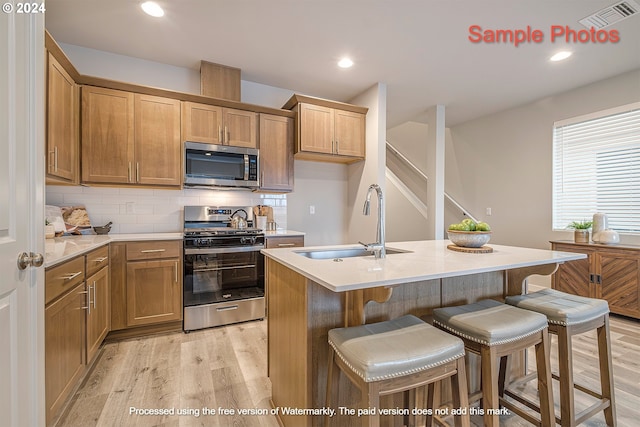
x=220 y=135
x=129 y=171
x=101 y=259
x=333 y=146
x=592 y=278
x=598 y=279
x=50 y=161
x=137 y=171
x=337 y=147
x=94 y=294
x=55 y=158
x=226 y=135
x=284 y=245
x=71 y=275
x=88 y=293
x=176 y=271
x=150 y=251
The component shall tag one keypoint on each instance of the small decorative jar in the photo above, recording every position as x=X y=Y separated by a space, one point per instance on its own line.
x=49 y=231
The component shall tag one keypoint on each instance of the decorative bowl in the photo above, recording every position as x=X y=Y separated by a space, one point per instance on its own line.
x=469 y=239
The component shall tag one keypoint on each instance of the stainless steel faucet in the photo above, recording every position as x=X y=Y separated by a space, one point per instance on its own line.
x=378 y=247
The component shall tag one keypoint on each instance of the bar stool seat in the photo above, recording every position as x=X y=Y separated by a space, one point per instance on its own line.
x=392 y=356
x=570 y=315
x=494 y=330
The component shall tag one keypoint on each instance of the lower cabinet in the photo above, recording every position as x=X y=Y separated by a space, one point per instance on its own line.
x=76 y=321
x=283 y=241
x=65 y=359
x=98 y=310
x=146 y=283
x=610 y=272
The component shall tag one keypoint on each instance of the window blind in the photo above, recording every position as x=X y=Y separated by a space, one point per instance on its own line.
x=596 y=168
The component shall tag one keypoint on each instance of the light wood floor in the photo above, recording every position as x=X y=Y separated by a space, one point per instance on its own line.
x=226 y=368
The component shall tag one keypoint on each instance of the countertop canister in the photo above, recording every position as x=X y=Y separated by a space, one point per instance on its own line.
x=600 y=223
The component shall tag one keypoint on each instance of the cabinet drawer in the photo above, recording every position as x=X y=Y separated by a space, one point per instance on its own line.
x=284 y=242
x=154 y=250
x=61 y=278
x=97 y=259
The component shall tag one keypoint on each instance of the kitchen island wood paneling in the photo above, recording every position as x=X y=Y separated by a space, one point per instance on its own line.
x=308 y=297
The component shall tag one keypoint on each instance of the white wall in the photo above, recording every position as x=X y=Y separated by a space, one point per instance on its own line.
x=504 y=161
x=362 y=174
x=155 y=211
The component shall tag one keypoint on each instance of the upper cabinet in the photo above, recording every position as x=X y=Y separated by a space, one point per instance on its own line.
x=130 y=138
x=62 y=125
x=212 y=124
x=327 y=130
x=276 y=153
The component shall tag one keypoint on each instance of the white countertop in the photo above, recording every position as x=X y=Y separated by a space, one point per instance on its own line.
x=61 y=249
x=428 y=259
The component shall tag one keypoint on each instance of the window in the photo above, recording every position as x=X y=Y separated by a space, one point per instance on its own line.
x=596 y=168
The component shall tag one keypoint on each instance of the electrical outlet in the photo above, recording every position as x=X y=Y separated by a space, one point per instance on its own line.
x=312 y=210
x=131 y=209
x=488 y=211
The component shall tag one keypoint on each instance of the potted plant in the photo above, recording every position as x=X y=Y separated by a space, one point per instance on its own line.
x=581 y=231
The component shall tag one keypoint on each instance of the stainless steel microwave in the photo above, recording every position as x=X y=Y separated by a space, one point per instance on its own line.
x=210 y=165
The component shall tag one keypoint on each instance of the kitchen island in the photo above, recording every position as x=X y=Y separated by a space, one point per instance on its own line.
x=308 y=295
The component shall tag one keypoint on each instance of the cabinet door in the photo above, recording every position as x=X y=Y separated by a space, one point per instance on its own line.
x=240 y=128
x=157 y=140
x=64 y=330
x=619 y=282
x=62 y=124
x=349 y=133
x=573 y=277
x=201 y=123
x=154 y=294
x=276 y=153
x=98 y=311
x=316 y=129
x=107 y=136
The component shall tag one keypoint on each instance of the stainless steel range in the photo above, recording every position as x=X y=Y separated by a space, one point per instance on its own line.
x=223 y=267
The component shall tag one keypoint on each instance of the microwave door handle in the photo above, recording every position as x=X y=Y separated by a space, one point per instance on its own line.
x=246 y=167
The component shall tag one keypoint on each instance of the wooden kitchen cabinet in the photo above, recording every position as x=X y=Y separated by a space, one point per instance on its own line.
x=146 y=279
x=328 y=130
x=212 y=124
x=62 y=125
x=130 y=138
x=276 y=153
x=77 y=319
x=271 y=242
x=610 y=272
x=98 y=311
x=64 y=332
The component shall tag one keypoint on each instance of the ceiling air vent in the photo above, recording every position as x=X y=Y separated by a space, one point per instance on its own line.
x=611 y=14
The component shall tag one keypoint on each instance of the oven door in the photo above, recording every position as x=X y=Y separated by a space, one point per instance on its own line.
x=223 y=274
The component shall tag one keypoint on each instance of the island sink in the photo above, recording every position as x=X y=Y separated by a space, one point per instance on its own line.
x=345 y=253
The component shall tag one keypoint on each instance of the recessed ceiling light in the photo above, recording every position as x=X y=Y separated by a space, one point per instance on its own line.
x=152 y=8
x=564 y=54
x=345 y=63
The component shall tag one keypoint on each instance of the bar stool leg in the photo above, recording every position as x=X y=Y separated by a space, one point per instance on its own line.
x=545 y=390
x=606 y=370
x=371 y=400
x=565 y=362
x=460 y=398
x=490 y=399
x=333 y=378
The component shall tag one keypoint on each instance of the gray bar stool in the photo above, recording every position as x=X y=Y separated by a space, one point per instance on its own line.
x=570 y=315
x=393 y=356
x=494 y=330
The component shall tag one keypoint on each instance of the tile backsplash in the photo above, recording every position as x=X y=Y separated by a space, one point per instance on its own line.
x=139 y=210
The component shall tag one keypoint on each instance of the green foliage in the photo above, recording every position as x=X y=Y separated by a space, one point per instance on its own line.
x=580 y=225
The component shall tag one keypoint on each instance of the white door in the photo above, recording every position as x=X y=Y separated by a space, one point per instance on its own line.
x=21 y=217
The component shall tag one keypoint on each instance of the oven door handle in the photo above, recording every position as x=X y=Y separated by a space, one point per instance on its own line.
x=205 y=251
x=224 y=268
